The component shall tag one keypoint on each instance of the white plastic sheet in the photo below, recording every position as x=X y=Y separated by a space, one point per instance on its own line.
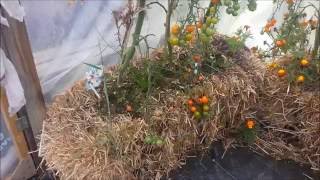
x=4 y=21
x=65 y=35
x=11 y=83
x=13 y=8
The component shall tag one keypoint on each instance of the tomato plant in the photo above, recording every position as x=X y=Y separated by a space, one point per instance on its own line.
x=292 y=39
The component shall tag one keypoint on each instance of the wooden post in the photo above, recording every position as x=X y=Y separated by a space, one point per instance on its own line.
x=15 y=43
x=17 y=136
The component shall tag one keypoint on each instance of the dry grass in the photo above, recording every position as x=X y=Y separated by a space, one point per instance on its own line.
x=81 y=143
x=291 y=122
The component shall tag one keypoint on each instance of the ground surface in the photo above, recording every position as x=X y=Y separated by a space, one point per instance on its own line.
x=240 y=164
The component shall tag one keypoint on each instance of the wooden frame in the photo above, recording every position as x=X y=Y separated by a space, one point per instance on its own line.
x=25 y=168
x=11 y=123
x=15 y=43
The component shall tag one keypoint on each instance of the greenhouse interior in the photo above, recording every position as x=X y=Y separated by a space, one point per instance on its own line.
x=160 y=89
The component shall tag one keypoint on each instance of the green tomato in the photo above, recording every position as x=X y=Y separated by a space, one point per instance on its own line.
x=236 y=6
x=182 y=42
x=214 y=20
x=234 y=13
x=159 y=142
x=174 y=41
x=205 y=108
x=197 y=115
x=188 y=37
x=209 y=20
x=148 y=140
x=209 y=32
x=212 y=10
x=252 y=6
x=229 y=10
x=204 y=38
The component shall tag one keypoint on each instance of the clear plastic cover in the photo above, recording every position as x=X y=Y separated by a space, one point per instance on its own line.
x=64 y=34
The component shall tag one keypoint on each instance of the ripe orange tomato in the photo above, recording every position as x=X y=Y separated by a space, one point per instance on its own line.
x=289 y=2
x=196 y=58
x=300 y=79
x=304 y=62
x=204 y=100
x=250 y=123
x=190 y=102
x=273 y=65
x=175 y=29
x=215 y=2
x=193 y=109
x=281 y=42
x=129 y=108
x=282 y=72
x=190 y=28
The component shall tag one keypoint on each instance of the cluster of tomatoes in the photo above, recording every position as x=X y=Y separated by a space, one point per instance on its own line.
x=304 y=63
x=180 y=36
x=233 y=6
x=271 y=23
x=312 y=23
x=207 y=30
x=199 y=107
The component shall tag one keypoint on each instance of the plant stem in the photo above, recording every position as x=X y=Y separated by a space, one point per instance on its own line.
x=316 y=40
x=167 y=32
x=208 y=12
x=105 y=90
x=128 y=55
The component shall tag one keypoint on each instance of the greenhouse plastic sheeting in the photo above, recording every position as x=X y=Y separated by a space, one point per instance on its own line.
x=64 y=34
x=14 y=9
x=10 y=81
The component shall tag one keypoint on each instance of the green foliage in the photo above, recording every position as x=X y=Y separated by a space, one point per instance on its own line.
x=140 y=77
x=248 y=135
x=237 y=42
x=234 y=44
x=93 y=66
